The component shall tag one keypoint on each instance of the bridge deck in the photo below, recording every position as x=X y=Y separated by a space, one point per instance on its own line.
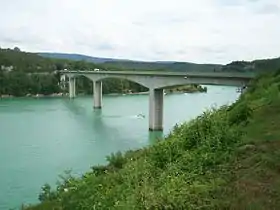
x=158 y=73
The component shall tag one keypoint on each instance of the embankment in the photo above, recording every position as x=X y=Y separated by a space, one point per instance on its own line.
x=226 y=158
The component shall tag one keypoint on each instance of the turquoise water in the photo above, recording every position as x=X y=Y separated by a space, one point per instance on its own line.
x=41 y=138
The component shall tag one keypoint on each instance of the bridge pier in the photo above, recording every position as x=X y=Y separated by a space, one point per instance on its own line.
x=156 y=110
x=97 y=95
x=156 y=81
x=72 y=87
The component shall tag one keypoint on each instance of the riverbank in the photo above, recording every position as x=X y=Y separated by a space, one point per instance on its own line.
x=59 y=95
x=187 y=89
x=224 y=159
x=183 y=89
x=34 y=96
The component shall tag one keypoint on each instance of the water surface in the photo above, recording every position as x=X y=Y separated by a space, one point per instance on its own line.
x=41 y=138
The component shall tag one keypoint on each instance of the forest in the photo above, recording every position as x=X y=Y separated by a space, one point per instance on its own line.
x=23 y=73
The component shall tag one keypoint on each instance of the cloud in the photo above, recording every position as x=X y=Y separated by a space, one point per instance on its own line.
x=269 y=9
x=203 y=31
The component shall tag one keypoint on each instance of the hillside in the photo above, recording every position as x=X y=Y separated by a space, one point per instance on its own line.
x=32 y=62
x=15 y=60
x=227 y=158
x=25 y=74
x=263 y=65
x=76 y=57
x=164 y=66
x=122 y=64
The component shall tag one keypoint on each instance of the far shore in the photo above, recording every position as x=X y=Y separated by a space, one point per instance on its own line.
x=59 y=95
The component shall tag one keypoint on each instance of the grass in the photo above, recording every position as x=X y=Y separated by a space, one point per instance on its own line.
x=226 y=158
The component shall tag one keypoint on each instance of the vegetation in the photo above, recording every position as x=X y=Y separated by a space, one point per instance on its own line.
x=265 y=65
x=21 y=84
x=226 y=158
x=23 y=74
x=162 y=66
x=187 y=89
x=121 y=64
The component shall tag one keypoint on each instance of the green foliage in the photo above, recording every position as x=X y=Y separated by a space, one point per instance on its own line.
x=162 y=66
x=24 y=73
x=21 y=84
x=201 y=164
x=240 y=113
x=260 y=66
x=192 y=88
x=116 y=160
x=46 y=194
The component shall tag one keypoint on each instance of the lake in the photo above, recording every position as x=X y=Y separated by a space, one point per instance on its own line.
x=41 y=138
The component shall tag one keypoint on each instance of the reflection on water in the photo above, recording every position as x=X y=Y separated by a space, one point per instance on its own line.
x=155 y=136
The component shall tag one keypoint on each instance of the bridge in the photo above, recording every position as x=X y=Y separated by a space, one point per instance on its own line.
x=156 y=82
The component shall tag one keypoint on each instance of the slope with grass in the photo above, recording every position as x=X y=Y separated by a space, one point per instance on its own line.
x=227 y=158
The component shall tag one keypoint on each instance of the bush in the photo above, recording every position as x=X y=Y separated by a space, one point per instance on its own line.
x=116 y=160
x=240 y=113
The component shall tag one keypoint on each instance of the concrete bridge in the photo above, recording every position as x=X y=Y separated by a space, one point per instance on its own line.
x=156 y=82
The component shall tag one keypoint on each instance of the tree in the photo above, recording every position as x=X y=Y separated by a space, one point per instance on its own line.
x=17 y=49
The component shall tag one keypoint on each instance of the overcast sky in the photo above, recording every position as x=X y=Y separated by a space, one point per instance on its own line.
x=203 y=31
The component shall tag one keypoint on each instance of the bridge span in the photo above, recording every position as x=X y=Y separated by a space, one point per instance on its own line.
x=156 y=82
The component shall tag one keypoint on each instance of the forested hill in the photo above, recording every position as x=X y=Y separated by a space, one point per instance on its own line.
x=121 y=64
x=77 y=57
x=164 y=66
x=23 y=73
x=262 y=65
x=16 y=60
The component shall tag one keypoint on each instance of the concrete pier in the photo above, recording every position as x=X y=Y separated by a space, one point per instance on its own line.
x=156 y=110
x=97 y=95
x=72 y=87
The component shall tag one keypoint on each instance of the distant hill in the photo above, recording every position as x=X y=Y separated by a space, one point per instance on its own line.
x=77 y=57
x=136 y=65
x=262 y=65
x=32 y=62
x=164 y=66
x=17 y=60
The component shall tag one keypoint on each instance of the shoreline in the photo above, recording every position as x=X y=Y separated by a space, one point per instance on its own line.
x=61 y=95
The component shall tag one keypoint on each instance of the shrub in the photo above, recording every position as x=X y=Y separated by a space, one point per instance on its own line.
x=116 y=160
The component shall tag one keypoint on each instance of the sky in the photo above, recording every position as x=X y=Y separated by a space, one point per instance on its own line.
x=201 y=31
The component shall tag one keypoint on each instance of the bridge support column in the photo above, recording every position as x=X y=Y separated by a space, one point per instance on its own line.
x=97 y=95
x=156 y=110
x=72 y=87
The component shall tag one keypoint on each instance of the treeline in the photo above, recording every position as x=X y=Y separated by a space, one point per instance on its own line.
x=23 y=73
x=16 y=60
x=21 y=84
x=85 y=86
x=259 y=66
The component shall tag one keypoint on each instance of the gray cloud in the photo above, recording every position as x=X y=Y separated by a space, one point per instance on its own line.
x=105 y=46
x=196 y=31
x=269 y=9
